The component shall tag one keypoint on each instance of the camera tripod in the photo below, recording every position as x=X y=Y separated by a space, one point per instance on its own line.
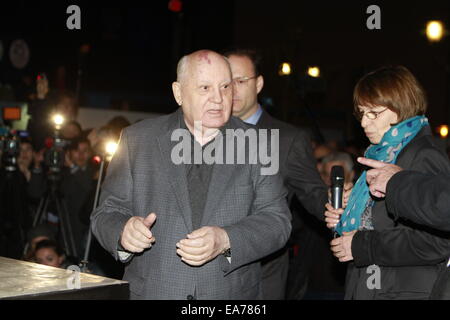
x=12 y=213
x=53 y=196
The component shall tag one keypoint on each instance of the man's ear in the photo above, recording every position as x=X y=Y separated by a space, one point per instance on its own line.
x=259 y=83
x=176 y=89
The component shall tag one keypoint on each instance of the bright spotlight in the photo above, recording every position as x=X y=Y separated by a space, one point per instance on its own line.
x=58 y=120
x=443 y=131
x=435 y=30
x=285 y=69
x=314 y=72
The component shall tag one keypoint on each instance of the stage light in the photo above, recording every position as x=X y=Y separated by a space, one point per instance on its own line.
x=443 y=131
x=285 y=69
x=58 y=120
x=110 y=148
x=314 y=72
x=434 y=30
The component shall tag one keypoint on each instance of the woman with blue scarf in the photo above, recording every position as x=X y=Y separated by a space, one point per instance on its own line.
x=390 y=259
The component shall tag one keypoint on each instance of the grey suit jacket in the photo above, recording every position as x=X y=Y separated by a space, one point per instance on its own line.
x=141 y=179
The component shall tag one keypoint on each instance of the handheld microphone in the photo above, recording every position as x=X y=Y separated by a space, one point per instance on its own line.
x=337 y=186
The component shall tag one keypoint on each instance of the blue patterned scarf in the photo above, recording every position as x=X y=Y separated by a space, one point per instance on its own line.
x=393 y=141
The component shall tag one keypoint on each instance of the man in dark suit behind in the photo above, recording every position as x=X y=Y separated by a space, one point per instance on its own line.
x=209 y=224
x=297 y=164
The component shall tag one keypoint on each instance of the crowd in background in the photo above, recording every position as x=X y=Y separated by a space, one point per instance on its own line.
x=23 y=234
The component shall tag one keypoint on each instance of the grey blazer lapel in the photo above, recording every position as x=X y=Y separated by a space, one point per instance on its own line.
x=176 y=173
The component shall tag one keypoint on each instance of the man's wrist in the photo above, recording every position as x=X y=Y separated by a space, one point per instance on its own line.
x=226 y=253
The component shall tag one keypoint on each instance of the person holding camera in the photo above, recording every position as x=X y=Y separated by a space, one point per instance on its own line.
x=75 y=184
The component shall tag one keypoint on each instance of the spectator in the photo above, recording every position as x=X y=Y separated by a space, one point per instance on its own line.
x=337 y=159
x=71 y=130
x=48 y=252
x=35 y=235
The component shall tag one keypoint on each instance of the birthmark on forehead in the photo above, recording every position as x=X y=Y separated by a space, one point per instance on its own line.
x=203 y=56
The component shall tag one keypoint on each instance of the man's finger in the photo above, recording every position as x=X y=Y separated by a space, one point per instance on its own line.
x=192 y=250
x=371 y=163
x=150 y=219
x=196 y=242
x=138 y=243
x=131 y=248
x=336 y=248
x=336 y=242
x=192 y=257
x=140 y=227
x=339 y=254
x=198 y=233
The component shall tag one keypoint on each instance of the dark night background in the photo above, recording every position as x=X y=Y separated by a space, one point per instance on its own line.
x=135 y=47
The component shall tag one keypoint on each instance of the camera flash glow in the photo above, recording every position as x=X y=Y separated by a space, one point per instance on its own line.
x=111 y=147
x=58 y=119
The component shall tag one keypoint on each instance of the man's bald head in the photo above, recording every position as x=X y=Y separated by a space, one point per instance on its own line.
x=194 y=59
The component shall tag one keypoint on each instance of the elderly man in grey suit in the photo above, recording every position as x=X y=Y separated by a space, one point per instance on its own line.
x=209 y=224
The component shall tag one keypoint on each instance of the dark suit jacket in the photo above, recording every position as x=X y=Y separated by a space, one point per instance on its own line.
x=298 y=166
x=142 y=178
x=409 y=256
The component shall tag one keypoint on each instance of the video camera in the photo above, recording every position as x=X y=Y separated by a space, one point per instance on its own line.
x=54 y=156
x=10 y=147
x=10 y=139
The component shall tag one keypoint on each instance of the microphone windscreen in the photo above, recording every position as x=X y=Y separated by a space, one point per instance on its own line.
x=337 y=175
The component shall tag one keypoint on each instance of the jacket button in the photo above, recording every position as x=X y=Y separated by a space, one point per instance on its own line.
x=190 y=297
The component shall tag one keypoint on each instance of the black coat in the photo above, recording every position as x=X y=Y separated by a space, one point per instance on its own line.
x=304 y=184
x=409 y=256
x=423 y=199
x=298 y=166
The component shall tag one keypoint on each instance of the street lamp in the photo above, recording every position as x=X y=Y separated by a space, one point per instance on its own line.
x=285 y=69
x=314 y=72
x=435 y=30
x=443 y=131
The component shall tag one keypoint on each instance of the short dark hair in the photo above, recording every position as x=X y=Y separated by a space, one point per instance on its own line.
x=394 y=87
x=50 y=244
x=252 y=54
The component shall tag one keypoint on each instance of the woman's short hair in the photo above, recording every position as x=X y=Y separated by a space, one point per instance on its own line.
x=394 y=87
